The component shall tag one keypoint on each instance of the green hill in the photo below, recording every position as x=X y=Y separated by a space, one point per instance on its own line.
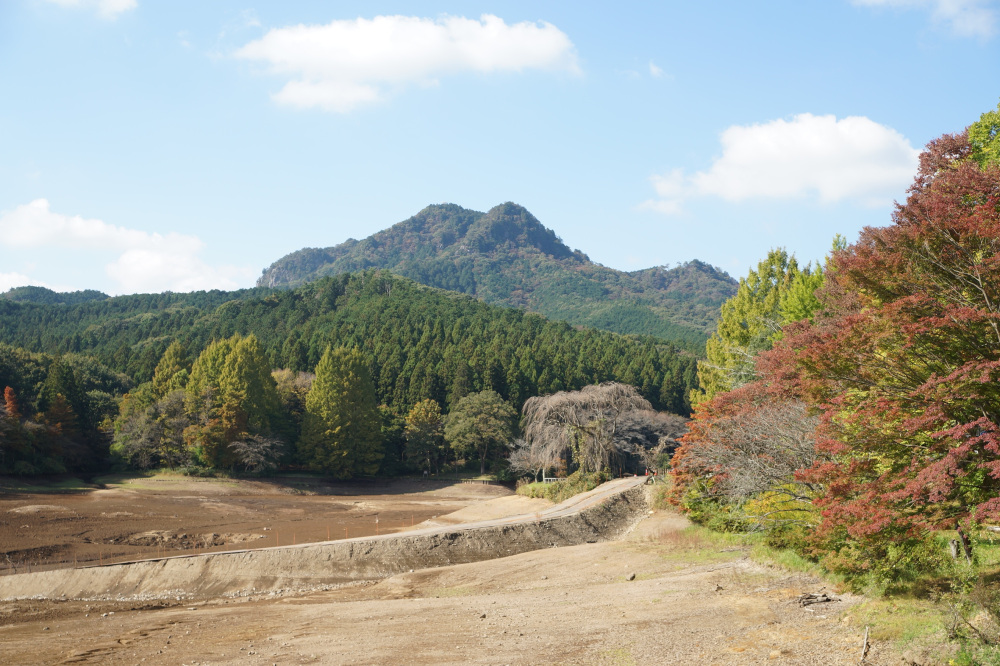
x=506 y=256
x=49 y=297
x=420 y=342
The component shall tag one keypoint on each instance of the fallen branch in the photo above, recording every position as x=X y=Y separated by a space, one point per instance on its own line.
x=864 y=648
x=809 y=599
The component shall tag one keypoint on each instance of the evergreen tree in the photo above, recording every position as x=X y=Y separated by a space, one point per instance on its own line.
x=171 y=373
x=393 y=441
x=424 y=434
x=230 y=395
x=61 y=380
x=748 y=325
x=799 y=300
x=341 y=432
x=246 y=385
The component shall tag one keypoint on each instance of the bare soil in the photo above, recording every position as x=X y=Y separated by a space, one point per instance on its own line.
x=139 y=517
x=687 y=603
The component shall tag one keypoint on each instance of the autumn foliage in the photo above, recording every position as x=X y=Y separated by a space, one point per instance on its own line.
x=900 y=370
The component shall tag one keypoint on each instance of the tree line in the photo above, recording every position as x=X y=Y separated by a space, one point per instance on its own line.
x=223 y=381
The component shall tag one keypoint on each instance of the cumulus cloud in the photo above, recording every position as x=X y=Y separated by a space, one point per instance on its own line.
x=969 y=18
x=145 y=262
x=10 y=280
x=345 y=64
x=654 y=71
x=833 y=160
x=108 y=9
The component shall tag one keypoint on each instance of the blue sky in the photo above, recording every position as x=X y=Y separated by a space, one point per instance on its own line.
x=147 y=146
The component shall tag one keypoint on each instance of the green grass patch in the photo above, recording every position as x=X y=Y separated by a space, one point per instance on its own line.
x=932 y=612
x=149 y=480
x=658 y=497
x=561 y=490
x=696 y=545
x=902 y=621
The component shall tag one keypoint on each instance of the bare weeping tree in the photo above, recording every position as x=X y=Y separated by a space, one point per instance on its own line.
x=531 y=458
x=760 y=450
x=258 y=453
x=596 y=424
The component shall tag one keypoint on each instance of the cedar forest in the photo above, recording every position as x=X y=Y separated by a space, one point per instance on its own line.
x=847 y=410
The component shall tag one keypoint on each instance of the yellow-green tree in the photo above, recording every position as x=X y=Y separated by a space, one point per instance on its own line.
x=425 y=434
x=748 y=324
x=984 y=138
x=776 y=294
x=341 y=430
x=172 y=372
x=231 y=395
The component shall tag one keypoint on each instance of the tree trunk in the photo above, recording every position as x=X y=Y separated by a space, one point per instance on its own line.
x=966 y=544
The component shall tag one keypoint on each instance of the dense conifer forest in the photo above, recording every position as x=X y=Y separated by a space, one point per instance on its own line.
x=415 y=343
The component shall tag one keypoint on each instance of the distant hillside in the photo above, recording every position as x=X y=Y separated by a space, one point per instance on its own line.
x=420 y=342
x=507 y=256
x=48 y=297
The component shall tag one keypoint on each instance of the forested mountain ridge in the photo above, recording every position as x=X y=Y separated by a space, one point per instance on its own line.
x=419 y=342
x=50 y=297
x=507 y=256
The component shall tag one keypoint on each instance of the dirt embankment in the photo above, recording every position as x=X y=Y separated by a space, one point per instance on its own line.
x=329 y=564
x=662 y=594
x=136 y=518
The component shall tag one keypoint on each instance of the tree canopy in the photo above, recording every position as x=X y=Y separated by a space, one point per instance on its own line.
x=425 y=434
x=481 y=425
x=875 y=421
x=341 y=433
x=596 y=425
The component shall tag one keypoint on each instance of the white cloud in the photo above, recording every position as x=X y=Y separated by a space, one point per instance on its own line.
x=655 y=71
x=345 y=64
x=145 y=262
x=833 y=160
x=108 y=9
x=11 y=280
x=970 y=18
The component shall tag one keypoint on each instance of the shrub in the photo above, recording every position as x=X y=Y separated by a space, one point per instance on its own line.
x=558 y=491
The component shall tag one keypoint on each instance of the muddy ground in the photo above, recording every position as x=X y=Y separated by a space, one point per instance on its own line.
x=133 y=518
x=687 y=603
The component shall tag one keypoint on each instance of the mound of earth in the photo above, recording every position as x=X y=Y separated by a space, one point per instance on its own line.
x=139 y=517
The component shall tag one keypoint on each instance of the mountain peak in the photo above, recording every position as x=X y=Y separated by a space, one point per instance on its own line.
x=506 y=255
x=511 y=227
